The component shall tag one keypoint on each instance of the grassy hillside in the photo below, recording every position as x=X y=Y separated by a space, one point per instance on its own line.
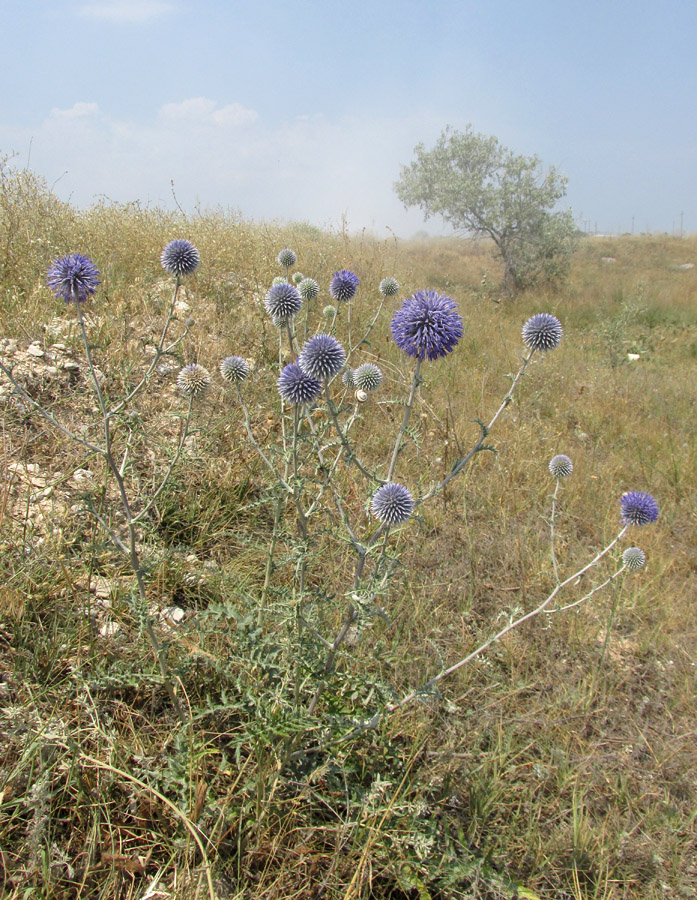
x=561 y=760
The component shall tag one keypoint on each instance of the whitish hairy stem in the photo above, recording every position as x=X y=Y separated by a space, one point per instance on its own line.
x=284 y=484
x=551 y=530
x=160 y=351
x=283 y=405
x=588 y=596
x=320 y=456
x=46 y=414
x=131 y=550
x=278 y=510
x=479 y=444
x=352 y=458
x=504 y=631
x=365 y=337
x=170 y=468
x=416 y=380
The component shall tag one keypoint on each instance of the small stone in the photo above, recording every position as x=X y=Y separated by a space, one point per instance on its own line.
x=35 y=350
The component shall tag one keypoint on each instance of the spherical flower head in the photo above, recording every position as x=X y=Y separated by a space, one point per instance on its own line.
x=427 y=325
x=297 y=386
x=344 y=286
x=389 y=287
x=180 y=258
x=73 y=277
x=392 y=504
x=634 y=558
x=279 y=279
x=542 y=332
x=367 y=377
x=638 y=508
x=234 y=369
x=329 y=311
x=297 y=277
x=287 y=258
x=193 y=381
x=283 y=301
x=561 y=466
x=322 y=356
x=348 y=379
x=308 y=288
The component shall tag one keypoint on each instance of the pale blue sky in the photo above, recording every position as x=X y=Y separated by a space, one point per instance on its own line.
x=307 y=110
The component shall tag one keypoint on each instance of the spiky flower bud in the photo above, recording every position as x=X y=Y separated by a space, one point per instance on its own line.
x=634 y=558
x=322 y=356
x=73 y=277
x=367 y=377
x=638 y=508
x=389 y=287
x=279 y=279
x=193 y=381
x=392 y=503
x=561 y=466
x=297 y=386
x=329 y=311
x=283 y=301
x=234 y=369
x=309 y=289
x=542 y=332
x=287 y=258
x=344 y=286
x=180 y=257
x=347 y=378
x=296 y=278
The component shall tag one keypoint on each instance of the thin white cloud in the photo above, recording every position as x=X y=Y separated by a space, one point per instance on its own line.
x=77 y=111
x=204 y=111
x=126 y=10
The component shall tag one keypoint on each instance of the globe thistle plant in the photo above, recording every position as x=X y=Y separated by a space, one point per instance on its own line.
x=193 y=381
x=297 y=277
x=180 y=257
x=234 y=369
x=634 y=558
x=367 y=377
x=308 y=289
x=287 y=258
x=348 y=379
x=542 y=332
x=427 y=325
x=283 y=302
x=322 y=356
x=343 y=286
x=392 y=504
x=73 y=277
x=638 y=508
x=297 y=386
x=329 y=311
x=279 y=279
x=389 y=287
x=561 y=466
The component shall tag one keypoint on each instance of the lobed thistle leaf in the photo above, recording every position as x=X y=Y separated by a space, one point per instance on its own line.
x=193 y=381
x=638 y=508
x=344 y=286
x=180 y=257
x=542 y=332
x=427 y=325
x=73 y=277
x=392 y=504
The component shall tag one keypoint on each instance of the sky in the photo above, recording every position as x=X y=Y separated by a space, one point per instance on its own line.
x=306 y=111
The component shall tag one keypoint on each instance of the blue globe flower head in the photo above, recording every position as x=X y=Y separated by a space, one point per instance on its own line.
x=180 y=257
x=542 y=332
x=367 y=377
x=638 y=508
x=297 y=386
x=427 y=325
x=283 y=301
x=234 y=369
x=73 y=277
x=392 y=504
x=389 y=287
x=322 y=356
x=561 y=466
x=287 y=258
x=309 y=289
x=344 y=286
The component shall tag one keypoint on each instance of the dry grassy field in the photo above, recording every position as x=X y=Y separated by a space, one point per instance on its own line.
x=560 y=764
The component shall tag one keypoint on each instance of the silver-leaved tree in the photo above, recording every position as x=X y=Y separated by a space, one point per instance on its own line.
x=482 y=188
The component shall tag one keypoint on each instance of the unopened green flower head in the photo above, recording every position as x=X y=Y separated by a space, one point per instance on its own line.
x=309 y=289
x=634 y=558
x=561 y=466
x=329 y=311
x=234 y=369
x=193 y=381
x=279 y=279
x=367 y=377
x=287 y=258
x=389 y=287
x=297 y=277
x=348 y=379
